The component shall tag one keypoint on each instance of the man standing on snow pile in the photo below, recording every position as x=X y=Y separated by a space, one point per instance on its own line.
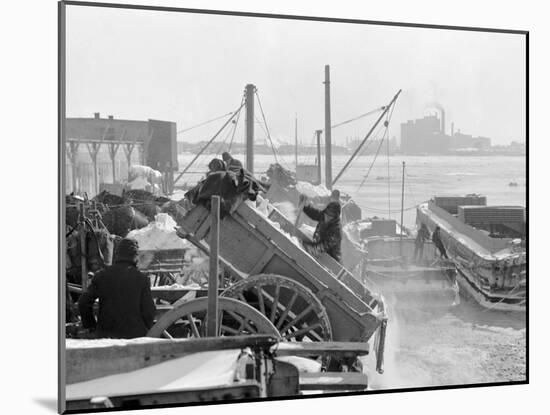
x=421 y=237
x=328 y=233
x=126 y=307
x=436 y=239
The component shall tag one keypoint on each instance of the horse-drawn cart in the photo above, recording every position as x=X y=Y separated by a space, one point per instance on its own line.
x=277 y=287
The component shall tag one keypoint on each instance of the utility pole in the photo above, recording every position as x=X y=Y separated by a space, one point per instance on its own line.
x=296 y=141
x=328 y=132
x=319 y=175
x=402 y=203
x=249 y=102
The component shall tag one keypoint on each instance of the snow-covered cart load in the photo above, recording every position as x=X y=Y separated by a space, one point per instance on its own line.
x=302 y=297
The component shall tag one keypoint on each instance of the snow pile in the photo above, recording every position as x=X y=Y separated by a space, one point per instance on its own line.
x=307 y=230
x=140 y=183
x=159 y=235
x=197 y=270
x=287 y=209
x=312 y=191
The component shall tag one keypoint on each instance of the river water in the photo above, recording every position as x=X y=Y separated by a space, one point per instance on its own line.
x=425 y=177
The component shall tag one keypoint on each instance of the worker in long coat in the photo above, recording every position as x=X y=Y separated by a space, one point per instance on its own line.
x=126 y=307
x=328 y=233
x=436 y=239
x=422 y=236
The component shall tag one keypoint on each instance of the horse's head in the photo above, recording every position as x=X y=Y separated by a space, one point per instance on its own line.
x=99 y=251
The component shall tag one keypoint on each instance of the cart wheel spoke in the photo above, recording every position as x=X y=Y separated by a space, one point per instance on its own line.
x=303 y=331
x=296 y=319
x=261 y=299
x=194 y=328
x=242 y=321
x=275 y=303
x=287 y=310
x=167 y=335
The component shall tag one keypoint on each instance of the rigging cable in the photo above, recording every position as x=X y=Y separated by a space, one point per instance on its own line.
x=358 y=117
x=386 y=129
x=266 y=127
x=235 y=129
x=208 y=143
x=203 y=123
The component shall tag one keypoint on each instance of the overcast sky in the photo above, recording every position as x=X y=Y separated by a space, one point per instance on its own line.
x=190 y=68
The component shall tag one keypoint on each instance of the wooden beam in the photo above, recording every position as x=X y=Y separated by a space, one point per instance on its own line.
x=212 y=322
x=333 y=381
x=336 y=349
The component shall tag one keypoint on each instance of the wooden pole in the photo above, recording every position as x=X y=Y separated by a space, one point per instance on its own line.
x=113 y=148
x=328 y=131
x=402 y=202
x=249 y=100
x=318 y=132
x=83 y=250
x=212 y=322
x=296 y=141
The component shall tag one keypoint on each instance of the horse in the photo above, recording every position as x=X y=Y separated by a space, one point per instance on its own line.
x=100 y=246
x=175 y=209
x=121 y=220
x=144 y=201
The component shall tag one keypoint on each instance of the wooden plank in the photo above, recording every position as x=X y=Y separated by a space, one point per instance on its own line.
x=333 y=381
x=248 y=389
x=88 y=359
x=212 y=322
x=264 y=260
x=336 y=349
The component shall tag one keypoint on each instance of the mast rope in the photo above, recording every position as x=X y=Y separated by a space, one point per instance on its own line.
x=358 y=117
x=266 y=127
x=235 y=128
x=386 y=130
x=203 y=123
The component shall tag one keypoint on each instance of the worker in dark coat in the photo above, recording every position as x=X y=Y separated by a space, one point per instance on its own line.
x=436 y=239
x=126 y=307
x=232 y=164
x=216 y=165
x=422 y=236
x=328 y=233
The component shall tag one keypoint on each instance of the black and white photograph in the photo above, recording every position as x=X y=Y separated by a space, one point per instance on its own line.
x=272 y=206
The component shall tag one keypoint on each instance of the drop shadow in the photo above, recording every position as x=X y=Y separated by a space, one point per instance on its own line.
x=48 y=403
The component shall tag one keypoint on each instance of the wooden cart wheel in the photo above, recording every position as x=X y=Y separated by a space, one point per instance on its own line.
x=188 y=318
x=290 y=306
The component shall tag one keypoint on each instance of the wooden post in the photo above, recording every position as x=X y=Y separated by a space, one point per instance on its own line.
x=402 y=201
x=319 y=174
x=93 y=150
x=72 y=149
x=212 y=322
x=328 y=131
x=249 y=100
x=113 y=148
x=296 y=142
x=83 y=248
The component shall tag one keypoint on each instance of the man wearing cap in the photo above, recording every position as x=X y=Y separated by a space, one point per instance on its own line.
x=328 y=233
x=126 y=307
x=232 y=164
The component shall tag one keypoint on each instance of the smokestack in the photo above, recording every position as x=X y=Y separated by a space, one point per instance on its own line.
x=452 y=129
x=442 y=120
x=96 y=115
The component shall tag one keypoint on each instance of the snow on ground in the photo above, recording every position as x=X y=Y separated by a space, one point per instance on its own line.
x=205 y=369
x=464 y=345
